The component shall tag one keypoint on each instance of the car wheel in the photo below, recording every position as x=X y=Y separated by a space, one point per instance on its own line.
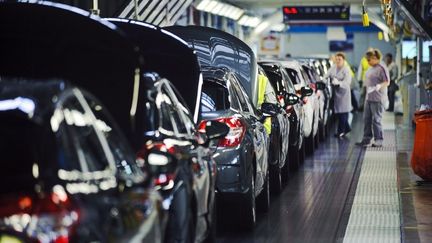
x=302 y=153
x=321 y=131
x=263 y=199
x=275 y=179
x=286 y=169
x=180 y=227
x=248 y=213
x=294 y=159
x=211 y=237
x=310 y=144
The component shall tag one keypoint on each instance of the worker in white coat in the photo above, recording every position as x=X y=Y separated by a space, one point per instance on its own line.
x=340 y=75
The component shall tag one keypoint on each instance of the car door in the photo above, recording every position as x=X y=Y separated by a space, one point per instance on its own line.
x=105 y=188
x=139 y=202
x=200 y=159
x=261 y=139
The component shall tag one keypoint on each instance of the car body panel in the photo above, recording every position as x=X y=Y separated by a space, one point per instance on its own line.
x=64 y=126
x=235 y=163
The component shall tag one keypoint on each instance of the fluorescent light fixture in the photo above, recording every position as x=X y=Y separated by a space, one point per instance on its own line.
x=250 y=21
x=278 y=28
x=220 y=8
x=262 y=26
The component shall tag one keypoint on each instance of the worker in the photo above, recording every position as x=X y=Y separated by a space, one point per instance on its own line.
x=361 y=72
x=267 y=94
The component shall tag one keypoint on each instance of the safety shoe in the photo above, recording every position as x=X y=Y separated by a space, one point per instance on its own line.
x=377 y=144
x=362 y=143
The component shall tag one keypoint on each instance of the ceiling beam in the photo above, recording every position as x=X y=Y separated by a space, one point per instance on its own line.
x=250 y=4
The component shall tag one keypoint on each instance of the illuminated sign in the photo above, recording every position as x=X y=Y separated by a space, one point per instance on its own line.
x=315 y=13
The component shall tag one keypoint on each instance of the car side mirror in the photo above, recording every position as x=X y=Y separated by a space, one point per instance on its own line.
x=292 y=99
x=320 y=85
x=269 y=109
x=216 y=130
x=306 y=91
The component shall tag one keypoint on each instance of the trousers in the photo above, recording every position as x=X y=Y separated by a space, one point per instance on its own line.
x=372 y=116
x=343 y=125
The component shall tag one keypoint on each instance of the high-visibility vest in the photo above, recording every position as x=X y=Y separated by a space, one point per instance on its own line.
x=262 y=84
x=365 y=66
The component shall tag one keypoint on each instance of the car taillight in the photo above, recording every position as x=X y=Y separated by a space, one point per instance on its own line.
x=48 y=219
x=313 y=86
x=289 y=109
x=281 y=100
x=235 y=134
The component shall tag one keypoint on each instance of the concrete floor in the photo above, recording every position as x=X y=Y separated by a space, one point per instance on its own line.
x=316 y=202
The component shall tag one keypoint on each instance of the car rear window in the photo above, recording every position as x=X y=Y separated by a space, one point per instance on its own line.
x=293 y=75
x=214 y=97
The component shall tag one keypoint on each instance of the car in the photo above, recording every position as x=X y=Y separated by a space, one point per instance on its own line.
x=324 y=103
x=220 y=49
x=67 y=172
x=241 y=157
x=79 y=176
x=167 y=125
x=310 y=103
x=293 y=106
x=279 y=141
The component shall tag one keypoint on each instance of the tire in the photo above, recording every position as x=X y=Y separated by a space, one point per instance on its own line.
x=294 y=159
x=310 y=144
x=302 y=153
x=247 y=216
x=211 y=237
x=275 y=179
x=322 y=131
x=263 y=199
x=286 y=169
x=180 y=227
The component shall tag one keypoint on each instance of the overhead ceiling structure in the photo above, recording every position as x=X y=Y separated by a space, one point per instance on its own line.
x=256 y=4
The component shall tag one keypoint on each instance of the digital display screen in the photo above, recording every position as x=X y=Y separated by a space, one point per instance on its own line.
x=314 y=13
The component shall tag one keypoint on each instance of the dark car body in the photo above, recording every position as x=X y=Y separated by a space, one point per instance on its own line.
x=242 y=158
x=279 y=141
x=280 y=79
x=167 y=124
x=217 y=48
x=67 y=172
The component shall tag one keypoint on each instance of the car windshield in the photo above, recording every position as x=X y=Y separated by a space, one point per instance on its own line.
x=214 y=97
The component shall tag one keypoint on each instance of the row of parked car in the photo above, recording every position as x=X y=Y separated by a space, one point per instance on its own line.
x=114 y=130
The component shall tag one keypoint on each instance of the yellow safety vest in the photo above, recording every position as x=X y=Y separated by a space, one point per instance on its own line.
x=262 y=84
x=350 y=68
x=365 y=66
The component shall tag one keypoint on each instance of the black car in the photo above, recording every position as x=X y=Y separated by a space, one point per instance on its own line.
x=285 y=90
x=279 y=137
x=165 y=123
x=67 y=174
x=241 y=157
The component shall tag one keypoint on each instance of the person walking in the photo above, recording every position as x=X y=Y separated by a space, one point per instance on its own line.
x=340 y=75
x=376 y=81
x=393 y=87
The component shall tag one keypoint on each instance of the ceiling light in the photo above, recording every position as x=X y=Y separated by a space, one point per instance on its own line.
x=220 y=8
x=278 y=27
